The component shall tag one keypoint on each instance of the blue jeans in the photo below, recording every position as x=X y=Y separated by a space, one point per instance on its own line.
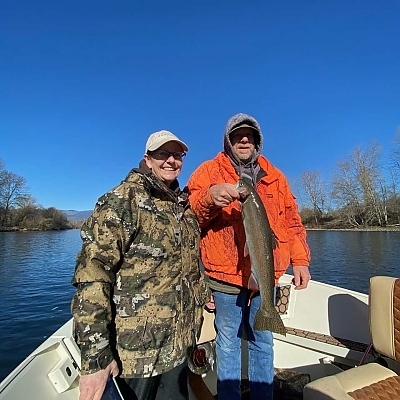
x=233 y=315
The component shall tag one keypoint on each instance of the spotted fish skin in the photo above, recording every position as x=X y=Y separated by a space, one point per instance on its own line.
x=259 y=245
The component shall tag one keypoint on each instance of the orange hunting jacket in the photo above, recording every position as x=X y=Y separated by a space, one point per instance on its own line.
x=222 y=231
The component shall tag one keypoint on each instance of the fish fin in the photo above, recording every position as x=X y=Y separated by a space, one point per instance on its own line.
x=246 y=250
x=253 y=283
x=252 y=293
x=265 y=321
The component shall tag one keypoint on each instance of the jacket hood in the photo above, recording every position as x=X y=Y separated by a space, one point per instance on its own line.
x=235 y=121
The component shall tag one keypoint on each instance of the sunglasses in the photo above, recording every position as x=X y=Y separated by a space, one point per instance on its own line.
x=164 y=154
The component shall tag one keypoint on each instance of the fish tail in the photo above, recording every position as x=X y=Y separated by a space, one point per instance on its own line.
x=269 y=321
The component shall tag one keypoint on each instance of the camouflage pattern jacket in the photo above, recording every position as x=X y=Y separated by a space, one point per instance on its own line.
x=139 y=293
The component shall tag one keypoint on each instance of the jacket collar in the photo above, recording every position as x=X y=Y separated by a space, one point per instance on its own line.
x=268 y=173
x=153 y=183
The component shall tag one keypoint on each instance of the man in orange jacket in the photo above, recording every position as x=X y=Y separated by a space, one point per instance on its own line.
x=214 y=199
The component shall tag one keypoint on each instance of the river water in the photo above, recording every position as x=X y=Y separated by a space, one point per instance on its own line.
x=36 y=270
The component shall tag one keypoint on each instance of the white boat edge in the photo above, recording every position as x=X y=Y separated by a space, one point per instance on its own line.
x=52 y=370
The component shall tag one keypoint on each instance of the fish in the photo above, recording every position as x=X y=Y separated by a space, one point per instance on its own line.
x=260 y=242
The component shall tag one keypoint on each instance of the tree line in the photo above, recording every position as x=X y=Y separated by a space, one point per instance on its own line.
x=362 y=193
x=19 y=210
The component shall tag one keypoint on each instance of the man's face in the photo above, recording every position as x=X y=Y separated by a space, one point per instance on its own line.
x=242 y=141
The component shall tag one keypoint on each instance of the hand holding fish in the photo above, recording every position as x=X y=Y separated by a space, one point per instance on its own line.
x=301 y=277
x=222 y=194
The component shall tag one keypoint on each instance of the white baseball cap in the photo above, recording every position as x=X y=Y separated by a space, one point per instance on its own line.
x=157 y=139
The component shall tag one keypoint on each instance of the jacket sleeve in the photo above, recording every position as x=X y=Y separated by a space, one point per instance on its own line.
x=105 y=235
x=299 y=250
x=199 y=195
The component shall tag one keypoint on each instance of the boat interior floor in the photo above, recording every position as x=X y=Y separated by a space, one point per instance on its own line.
x=288 y=385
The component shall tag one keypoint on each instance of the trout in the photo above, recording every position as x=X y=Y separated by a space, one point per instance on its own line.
x=259 y=246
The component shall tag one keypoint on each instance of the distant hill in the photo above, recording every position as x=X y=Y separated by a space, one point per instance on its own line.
x=74 y=215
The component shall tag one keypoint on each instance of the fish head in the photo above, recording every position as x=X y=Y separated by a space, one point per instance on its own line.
x=244 y=189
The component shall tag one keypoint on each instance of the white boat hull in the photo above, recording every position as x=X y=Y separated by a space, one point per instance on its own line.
x=327 y=330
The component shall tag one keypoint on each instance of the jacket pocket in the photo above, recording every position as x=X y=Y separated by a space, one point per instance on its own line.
x=147 y=334
x=162 y=305
x=146 y=321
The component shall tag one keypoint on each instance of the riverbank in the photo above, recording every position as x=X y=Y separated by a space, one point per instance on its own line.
x=15 y=229
x=394 y=228
x=390 y=228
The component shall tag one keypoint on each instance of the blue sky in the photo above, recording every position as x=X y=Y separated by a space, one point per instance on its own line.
x=84 y=83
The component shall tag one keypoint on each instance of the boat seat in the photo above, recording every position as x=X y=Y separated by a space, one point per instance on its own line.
x=370 y=381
